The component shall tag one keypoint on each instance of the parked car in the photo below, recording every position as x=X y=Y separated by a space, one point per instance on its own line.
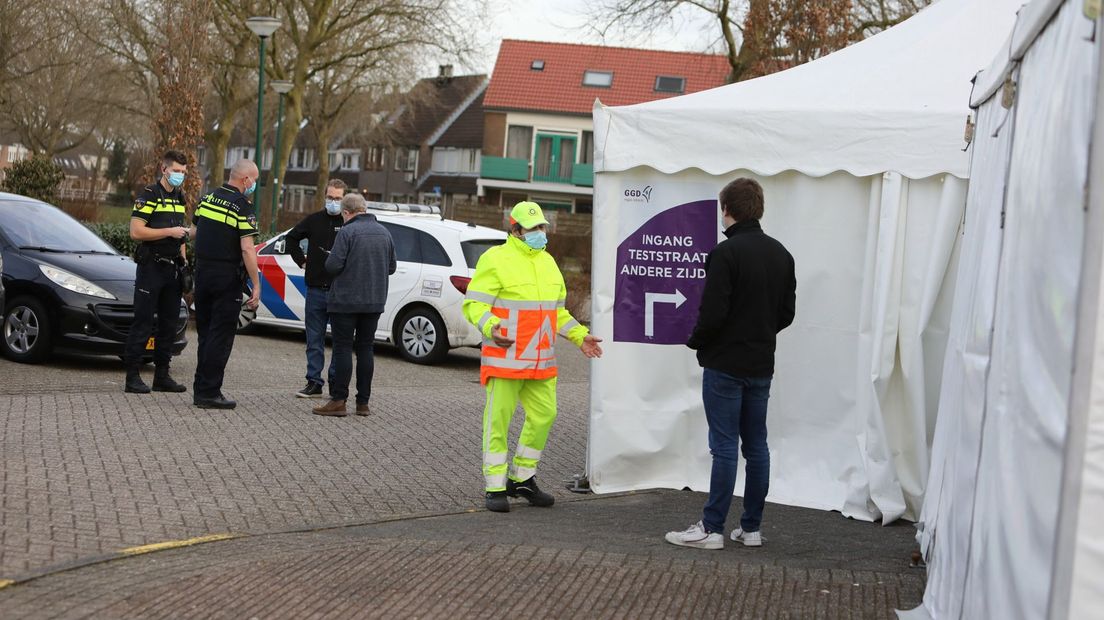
x=65 y=288
x=436 y=259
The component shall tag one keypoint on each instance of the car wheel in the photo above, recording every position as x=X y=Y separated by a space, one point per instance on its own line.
x=246 y=315
x=25 y=333
x=421 y=337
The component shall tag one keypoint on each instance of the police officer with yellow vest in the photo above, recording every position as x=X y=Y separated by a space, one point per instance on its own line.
x=157 y=223
x=517 y=300
x=225 y=225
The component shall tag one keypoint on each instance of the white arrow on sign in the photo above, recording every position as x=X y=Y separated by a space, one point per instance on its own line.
x=650 y=300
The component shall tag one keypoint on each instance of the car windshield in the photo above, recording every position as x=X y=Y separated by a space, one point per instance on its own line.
x=36 y=225
x=476 y=247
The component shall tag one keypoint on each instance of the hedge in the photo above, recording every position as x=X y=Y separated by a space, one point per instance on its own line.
x=118 y=236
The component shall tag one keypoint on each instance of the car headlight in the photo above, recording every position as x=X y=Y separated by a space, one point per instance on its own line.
x=77 y=284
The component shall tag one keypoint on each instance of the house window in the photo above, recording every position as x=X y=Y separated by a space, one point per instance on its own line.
x=670 y=84
x=301 y=159
x=201 y=156
x=586 y=148
x=537 y=65
x=519 y=142
x=455 y=161
x=377 y=158
x=598 y=79
x=406 y=159
x=350 y=161
x=238 y=153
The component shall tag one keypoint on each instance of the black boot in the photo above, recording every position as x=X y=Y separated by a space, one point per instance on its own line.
x=134 y=383
x=163 y=381
x=530 y=491
x=497 y=502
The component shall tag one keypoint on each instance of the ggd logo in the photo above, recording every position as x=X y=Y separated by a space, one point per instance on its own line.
x=645 y=193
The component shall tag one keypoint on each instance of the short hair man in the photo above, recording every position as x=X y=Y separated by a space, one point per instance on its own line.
x=225 y=225
x=362 y=259
x=319 y=229
x=749 y=296
x=517 y=300
x=157 y=223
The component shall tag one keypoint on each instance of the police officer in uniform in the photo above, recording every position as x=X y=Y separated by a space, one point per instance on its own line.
x=157 y=223
x=225 y=225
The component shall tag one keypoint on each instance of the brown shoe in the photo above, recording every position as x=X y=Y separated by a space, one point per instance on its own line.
x=334 y=408
x=363 y=409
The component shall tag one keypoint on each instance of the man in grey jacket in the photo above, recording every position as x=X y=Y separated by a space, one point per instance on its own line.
x=362 y=258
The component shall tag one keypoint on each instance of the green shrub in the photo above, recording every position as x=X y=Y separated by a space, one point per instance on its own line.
x=37 y=177
x=118 y=236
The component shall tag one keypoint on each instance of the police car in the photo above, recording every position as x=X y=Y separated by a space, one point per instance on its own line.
x=422 y=317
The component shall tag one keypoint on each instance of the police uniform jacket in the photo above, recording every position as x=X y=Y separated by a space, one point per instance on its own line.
x=161 y=209
x=222 y=219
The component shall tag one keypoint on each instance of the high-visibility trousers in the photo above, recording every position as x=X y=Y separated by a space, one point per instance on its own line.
x=538 y=399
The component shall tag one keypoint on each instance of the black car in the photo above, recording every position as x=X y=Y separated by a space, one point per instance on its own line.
x=65 y=288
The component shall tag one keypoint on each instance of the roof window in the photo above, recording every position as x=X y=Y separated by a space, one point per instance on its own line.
x=598 y=79
x=537 y=65
x=670 y=84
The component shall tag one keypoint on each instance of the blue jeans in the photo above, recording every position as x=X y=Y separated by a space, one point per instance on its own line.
x=316 y=319
x=736 y=408
x=353 y=332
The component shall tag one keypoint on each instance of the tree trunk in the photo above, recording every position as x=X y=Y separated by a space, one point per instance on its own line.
x=217 y=141
x=325 y=134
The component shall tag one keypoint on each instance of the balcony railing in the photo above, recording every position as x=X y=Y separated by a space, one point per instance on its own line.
x=504 y=168
x=510 y=169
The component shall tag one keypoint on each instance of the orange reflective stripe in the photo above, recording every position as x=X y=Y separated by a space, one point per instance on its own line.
x=486 y=372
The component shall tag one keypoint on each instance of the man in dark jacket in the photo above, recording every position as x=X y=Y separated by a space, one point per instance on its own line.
x=319 y=229
x=362 y=258
x=750 y=291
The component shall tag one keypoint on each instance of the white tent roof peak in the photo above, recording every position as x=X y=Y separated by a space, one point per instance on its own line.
x=897 y=101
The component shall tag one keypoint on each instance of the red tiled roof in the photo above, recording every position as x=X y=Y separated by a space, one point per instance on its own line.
x=559 y=87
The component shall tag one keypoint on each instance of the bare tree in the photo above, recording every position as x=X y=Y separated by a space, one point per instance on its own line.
x=232 y=68
x=873 y=16
x=346 y=37
x=57 y=91
x=761 y=36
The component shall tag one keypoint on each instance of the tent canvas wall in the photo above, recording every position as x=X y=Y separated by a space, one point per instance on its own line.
x=1010 y=526
x=861 y=157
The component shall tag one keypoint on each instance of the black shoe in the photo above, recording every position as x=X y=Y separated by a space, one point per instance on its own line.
x=219 y=402
x=313 y=390
x=134 y=383
x=497 y=502
x=163 y=381
x=530 y=491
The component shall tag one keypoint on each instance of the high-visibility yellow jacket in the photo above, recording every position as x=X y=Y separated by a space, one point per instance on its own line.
x=520 y=293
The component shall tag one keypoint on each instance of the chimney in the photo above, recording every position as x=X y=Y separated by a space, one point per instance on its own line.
x=444 y=74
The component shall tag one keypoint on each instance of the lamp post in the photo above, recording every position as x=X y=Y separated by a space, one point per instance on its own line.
x=263 y=27
x=283 y=87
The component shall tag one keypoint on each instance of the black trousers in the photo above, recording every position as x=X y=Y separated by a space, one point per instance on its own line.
x=218 y=293
x=156 y=301
x=353 y=332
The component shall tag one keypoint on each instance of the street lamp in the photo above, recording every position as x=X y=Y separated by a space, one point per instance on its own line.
x=263 y=27
x=283 y=87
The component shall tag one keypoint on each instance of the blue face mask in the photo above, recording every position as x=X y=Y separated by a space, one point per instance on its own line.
x=176 y=179
x=333 y=207
x=252 y=188
x=536 y=239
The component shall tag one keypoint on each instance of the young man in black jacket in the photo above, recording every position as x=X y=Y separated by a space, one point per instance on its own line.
x=319 y=229
x=750 y=291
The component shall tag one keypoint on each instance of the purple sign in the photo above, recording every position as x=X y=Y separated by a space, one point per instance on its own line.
x=661 y=275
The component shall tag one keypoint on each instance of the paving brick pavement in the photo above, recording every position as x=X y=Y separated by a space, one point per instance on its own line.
x=597 y=558
x=86 y=469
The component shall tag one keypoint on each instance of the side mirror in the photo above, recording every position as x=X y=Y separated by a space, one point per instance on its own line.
x=280 y=246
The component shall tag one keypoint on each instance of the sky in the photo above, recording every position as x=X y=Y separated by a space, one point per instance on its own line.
x=566 y=21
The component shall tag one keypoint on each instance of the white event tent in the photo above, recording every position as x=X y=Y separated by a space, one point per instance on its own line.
x=1011 y=524
x=861 y=156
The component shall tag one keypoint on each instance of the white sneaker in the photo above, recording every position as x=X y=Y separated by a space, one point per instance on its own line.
x=696 y=536
x=750 y=539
